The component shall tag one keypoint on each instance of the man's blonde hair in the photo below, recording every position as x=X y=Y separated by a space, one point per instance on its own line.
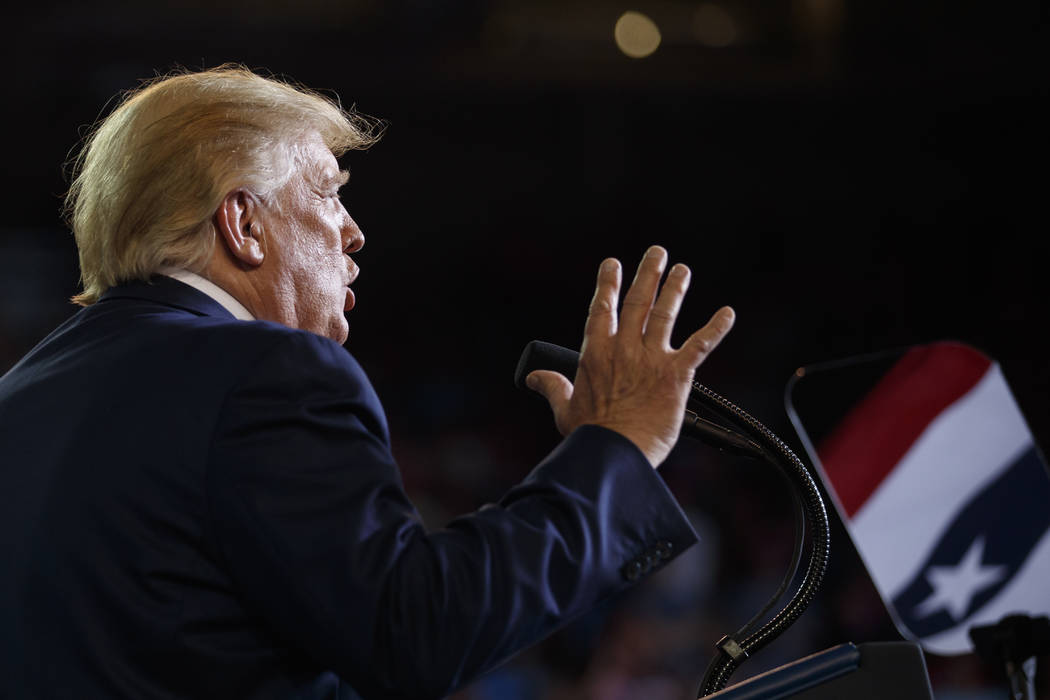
x=152 y=174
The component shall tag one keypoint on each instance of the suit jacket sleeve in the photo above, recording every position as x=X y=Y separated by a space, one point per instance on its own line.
x=309 y=514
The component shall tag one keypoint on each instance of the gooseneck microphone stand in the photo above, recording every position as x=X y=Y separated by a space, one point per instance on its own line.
x=810 y=511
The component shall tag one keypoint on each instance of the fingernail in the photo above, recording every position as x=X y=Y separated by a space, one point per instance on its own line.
x=654 y=252
x=531 y=381
x=609 y=265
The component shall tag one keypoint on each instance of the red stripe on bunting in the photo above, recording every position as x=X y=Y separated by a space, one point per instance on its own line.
x=866 y=446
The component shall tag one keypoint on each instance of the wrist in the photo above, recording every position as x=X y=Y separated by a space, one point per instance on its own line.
x=654 y=449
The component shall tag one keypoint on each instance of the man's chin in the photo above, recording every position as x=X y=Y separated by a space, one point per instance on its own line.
x=341 y=330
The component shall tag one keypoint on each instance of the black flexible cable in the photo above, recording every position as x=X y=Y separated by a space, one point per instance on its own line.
x=732 y=652
x=799 y=519
x=799 y=512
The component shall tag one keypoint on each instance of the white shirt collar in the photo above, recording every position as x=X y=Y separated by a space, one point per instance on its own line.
x=213 y=290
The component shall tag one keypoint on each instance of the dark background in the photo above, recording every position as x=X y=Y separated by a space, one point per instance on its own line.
x=850 y=176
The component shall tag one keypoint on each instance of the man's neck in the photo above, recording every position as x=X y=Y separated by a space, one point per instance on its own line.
x=213 y=290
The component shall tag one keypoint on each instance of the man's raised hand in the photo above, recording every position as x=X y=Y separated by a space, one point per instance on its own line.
x=630 y=379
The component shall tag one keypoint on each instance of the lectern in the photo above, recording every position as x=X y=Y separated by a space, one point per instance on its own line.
x=871 y=671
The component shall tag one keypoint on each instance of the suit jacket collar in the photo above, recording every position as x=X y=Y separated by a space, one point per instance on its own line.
x=165 y=290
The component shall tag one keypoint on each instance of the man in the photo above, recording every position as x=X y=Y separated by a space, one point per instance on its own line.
x=199 y=498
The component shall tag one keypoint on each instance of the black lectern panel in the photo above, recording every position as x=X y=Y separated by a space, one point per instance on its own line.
x=872 y=671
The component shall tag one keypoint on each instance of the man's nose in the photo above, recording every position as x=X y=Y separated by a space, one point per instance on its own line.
x=353 y=237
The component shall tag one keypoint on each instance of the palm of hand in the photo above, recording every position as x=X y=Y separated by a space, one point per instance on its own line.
x=630 y=379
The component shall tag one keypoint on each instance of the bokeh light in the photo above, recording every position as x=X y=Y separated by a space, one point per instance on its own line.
x=636 y=35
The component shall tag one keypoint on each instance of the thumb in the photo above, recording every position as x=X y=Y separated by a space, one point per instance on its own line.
x=552 y=386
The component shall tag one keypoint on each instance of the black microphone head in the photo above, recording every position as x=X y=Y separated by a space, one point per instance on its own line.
x=541 y=355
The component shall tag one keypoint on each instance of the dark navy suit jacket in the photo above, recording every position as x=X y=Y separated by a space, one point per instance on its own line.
x=193 y=506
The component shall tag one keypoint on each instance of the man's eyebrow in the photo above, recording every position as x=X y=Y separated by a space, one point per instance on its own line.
x=342 y=177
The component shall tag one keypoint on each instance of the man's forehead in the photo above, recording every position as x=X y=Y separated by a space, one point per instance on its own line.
x=319 y=163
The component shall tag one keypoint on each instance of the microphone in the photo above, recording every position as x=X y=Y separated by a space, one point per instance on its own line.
x=810 y=510
x=541 y=355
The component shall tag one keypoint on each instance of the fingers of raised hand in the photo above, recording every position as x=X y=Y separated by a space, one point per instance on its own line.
x=639 y=299
x=665 y=310
x=701 y=343
x=601 y=319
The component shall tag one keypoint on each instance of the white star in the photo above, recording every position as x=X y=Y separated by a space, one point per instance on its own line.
x=955 y=586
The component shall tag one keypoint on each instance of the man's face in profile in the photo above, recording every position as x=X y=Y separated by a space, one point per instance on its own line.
x=310 y=238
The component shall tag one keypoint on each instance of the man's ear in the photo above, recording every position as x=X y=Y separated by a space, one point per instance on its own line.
x=238 y=222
